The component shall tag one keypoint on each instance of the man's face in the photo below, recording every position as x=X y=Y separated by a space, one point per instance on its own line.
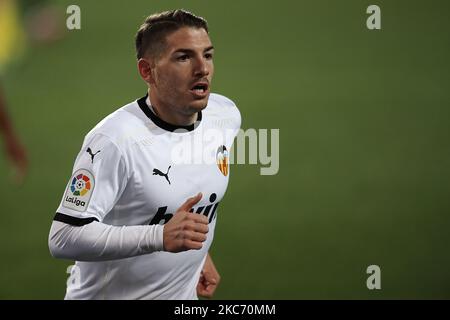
x=183 y=72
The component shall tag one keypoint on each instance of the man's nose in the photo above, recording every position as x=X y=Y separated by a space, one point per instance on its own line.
x=201 y=68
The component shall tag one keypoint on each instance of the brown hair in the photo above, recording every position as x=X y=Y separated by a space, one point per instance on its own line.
x=152 y=34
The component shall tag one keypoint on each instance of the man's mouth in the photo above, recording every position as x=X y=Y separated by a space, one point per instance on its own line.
x=200 y=89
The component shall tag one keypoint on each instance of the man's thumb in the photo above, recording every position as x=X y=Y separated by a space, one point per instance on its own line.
x=191 y=202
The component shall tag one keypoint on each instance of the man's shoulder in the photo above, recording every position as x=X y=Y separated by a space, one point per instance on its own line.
x=222 y=107
x=120 y=125
x=218 y=100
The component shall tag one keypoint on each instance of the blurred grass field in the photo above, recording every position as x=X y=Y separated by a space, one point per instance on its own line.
x=364 y=144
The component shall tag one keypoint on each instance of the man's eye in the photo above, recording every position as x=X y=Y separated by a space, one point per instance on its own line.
x=184 y=57
x=208 y=56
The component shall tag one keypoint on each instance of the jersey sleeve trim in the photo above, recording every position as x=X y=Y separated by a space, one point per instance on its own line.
x=73 y=221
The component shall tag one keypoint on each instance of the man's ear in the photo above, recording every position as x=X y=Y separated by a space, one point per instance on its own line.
x=145 y=67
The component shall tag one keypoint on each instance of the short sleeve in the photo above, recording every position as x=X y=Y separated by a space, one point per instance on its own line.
x=98 y=179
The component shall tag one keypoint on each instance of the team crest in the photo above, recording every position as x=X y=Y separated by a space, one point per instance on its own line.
x=79 y=190
x=222 y=160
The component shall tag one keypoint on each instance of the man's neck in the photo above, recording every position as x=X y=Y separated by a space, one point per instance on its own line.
x=169 y=114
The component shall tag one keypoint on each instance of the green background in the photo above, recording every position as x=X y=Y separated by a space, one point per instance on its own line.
x=364 y=144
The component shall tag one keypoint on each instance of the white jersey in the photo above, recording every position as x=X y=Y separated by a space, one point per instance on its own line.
x=136 y=169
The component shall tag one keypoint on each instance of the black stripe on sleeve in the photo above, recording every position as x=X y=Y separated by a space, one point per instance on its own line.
x=78 y=222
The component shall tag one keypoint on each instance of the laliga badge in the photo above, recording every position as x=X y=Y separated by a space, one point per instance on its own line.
x=79 y=190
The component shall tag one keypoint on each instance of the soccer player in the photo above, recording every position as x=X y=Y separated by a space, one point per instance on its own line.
x=39 y=21
x=11 y=41
x=137 y=218
x=14 y=148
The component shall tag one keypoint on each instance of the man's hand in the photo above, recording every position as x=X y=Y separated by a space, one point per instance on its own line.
x=186 y=230
x=17 y=154
x=14 y=149
x=209 y=279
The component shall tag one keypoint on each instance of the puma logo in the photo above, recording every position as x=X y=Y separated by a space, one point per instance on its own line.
x=159 y=173
x=92 y=154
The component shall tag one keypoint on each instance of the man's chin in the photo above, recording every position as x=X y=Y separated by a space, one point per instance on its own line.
x=199 y=104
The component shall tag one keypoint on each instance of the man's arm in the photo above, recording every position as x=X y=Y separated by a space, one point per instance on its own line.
x=13 y=146
x=209 y=279
x=97 y=241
